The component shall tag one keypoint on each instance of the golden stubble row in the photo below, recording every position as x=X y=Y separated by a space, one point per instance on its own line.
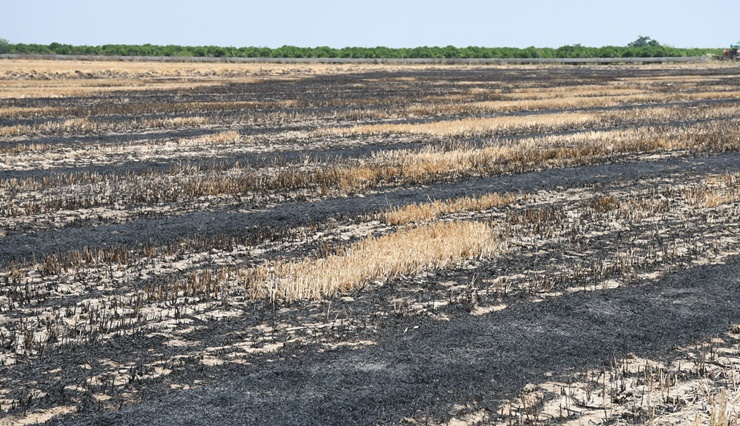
x=540 y=123
x=406 y=251
x=433 y=209
x=86 y=125
x=563 y=101
x=390 y=168
x=716 y=190
x=141 y=109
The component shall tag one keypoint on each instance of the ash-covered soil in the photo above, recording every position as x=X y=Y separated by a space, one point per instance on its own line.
x=426 y=368
x=145 y=213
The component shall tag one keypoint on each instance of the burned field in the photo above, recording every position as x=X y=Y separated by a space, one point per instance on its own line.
x=313 y=244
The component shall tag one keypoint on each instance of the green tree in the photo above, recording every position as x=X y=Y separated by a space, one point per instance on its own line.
x=644 y=41
x=4 y=46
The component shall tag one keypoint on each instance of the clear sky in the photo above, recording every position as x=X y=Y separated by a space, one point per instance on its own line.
x=369 y=23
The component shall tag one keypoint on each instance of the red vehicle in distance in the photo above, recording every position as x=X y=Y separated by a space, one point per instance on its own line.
x=732 y=52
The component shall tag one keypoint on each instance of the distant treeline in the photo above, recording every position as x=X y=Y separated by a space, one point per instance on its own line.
x=576 y=51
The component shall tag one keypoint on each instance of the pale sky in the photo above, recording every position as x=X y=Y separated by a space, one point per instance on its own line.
x=391 y=23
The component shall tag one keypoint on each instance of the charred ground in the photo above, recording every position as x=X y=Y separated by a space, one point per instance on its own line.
x=152 y=215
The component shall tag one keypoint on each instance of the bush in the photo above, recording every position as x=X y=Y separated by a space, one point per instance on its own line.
x=642 y=47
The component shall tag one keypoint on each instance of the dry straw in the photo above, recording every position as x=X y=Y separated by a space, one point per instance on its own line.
x=470 y=126
x=540 y=123
x=404 y=252
x=715 y=191
x=427 y=211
